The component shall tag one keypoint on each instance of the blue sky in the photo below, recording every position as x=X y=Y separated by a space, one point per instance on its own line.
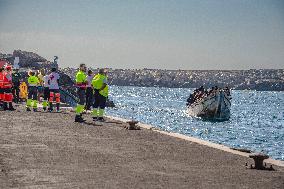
x=173 y=34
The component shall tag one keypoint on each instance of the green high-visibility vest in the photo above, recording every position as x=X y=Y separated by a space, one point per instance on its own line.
x=33 y=81
x=104 y=92
x=98 y=82
x=81 y=77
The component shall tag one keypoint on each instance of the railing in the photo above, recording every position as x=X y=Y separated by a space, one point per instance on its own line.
x=67 y=97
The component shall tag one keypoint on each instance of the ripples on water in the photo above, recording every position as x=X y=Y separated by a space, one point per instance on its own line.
x=256 y=123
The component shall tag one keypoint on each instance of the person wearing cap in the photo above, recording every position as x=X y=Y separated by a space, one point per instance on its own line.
x=89 y=90
x=33 y=83
x=16 y=79
x=81 y=83
x=7 y=87
x=53 y=82
x=100 y=86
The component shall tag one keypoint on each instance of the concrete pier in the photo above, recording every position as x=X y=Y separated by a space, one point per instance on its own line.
x=49 y=150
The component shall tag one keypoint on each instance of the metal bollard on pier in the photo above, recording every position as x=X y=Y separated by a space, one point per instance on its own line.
x=258 y=162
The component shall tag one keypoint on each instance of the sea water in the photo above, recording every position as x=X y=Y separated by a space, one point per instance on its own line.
x=256 y=123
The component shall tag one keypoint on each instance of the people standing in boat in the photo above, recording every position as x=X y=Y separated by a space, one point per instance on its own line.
x=201 y=89
x=211 y=91
x=200 y=93
x=227 y=91
x=216 y=88
x=190 y=100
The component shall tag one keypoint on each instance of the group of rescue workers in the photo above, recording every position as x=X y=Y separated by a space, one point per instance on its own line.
x=49 y=83
x=92 y=91
x=89 y=87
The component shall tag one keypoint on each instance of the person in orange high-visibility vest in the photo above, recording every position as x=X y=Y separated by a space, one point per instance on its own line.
x=7 y=86
x=1 y=87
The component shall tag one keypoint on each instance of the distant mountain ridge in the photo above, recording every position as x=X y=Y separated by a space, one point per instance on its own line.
x=261 y=80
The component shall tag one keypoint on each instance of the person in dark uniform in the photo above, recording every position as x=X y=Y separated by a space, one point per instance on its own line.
x=89 y=90
x=16 y=79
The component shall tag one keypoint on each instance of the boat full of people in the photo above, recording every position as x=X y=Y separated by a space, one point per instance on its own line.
x=213 y=104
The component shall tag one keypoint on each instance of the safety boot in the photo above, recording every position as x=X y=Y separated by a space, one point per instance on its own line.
x=79 y=119
x=5 y=106
x=101 y=119
x=57 y=107
x=50 y=109
x=11 y=108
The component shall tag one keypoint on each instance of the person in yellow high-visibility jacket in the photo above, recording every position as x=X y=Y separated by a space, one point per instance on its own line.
x=81 y=84
x=100 y=86
x=33 y=83
x=23 y=91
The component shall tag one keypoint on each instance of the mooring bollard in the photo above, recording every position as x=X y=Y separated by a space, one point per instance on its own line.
x=132 y=125
x=258 y=161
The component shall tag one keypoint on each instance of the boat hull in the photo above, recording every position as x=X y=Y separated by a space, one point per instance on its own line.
x=214 y=107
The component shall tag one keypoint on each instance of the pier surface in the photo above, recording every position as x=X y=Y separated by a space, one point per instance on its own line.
x=49 y=150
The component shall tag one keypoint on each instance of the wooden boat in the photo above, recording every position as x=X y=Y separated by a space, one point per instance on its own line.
x=215 y=107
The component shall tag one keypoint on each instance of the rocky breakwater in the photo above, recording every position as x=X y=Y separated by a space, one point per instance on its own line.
x=33 y=60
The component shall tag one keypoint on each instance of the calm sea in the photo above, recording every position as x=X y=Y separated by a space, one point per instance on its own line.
x=256 y=123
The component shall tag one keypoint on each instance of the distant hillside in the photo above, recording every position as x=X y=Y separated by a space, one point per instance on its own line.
x=262 y=80
x=268 y=80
